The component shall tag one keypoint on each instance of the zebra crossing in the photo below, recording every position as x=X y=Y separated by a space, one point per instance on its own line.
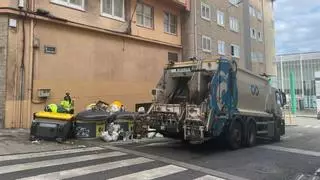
x=92 y=163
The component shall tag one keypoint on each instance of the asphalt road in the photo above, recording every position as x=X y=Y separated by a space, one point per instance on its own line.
x=296 y=155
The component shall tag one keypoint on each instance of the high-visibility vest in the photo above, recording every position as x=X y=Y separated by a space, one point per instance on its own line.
x=52 y=108
x=66 y=105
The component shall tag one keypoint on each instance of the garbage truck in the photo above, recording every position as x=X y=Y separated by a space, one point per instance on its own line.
x=200 y=100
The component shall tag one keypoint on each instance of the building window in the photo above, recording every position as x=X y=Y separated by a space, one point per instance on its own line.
x=206 y=44
x=205 y=11
x=252 y=11
x=259 y=15
x=234 y=24
x=234 y=2
x=220 y=18
x=170 y=23
x=113 y=9
x=77 y=4
x=221 y=45
x=172 y=57
x=253 y=33
x=260 y=36
x=144 y=15
x=235 y=51
x=257 y=57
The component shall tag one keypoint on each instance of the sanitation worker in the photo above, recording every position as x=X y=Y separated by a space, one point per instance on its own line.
x=51 y=108
x=67 y=104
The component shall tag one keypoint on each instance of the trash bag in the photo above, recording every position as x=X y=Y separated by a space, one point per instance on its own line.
x=112 y=133
x=106 y=136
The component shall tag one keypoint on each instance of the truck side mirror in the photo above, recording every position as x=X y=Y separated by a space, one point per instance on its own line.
x=284 y=99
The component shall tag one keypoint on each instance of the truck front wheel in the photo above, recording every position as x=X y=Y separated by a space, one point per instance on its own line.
x=235 y=135
x=276 y=137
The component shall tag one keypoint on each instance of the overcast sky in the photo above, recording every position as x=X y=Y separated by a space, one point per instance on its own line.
x=297 y=25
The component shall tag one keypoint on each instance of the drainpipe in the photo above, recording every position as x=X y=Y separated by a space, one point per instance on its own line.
x=22 y=67
x=199 y=64
x=195 y=29
x=31 y=64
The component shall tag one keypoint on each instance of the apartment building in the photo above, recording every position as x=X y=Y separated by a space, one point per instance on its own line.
x=94 y=49
x=239 y=29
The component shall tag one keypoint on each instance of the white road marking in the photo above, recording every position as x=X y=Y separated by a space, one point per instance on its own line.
x=178 y=163
x=307 y=126
x=208 y=177
x=89 y=169
x=152 y=173
x=300 y=177
x=292 y=150
x=44 y=154
x=316 y=127
x=55 y=162
x=285 y=137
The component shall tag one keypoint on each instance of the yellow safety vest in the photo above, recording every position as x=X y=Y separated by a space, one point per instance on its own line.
x=53 y=108
x=66 y=105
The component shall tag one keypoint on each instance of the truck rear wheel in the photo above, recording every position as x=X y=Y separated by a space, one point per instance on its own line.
x=235 y=135
x=252 y=135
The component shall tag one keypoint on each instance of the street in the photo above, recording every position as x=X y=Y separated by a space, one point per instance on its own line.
x=297 y=154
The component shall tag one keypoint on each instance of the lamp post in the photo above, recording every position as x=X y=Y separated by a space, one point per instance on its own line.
x=293 y=93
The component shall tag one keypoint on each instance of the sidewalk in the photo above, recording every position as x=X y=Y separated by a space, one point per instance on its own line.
x=15 y=141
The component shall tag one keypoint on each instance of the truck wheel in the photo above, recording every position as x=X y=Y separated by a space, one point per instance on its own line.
x=276 y=137
x=252 y=135
x=235 y=135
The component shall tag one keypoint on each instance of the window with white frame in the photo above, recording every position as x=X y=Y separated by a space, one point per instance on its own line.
x=234 y=2
x=206 y=44
x=144 y=15
x=221 y=45
x=235 y=51
x=170 y=23
x=252 y=11
x=259 y=15
x=77 y=4
x=260 y=36
x=253 y=33
x=220 y=18
x=234 y=24
x=113 y=9
x=205 y=11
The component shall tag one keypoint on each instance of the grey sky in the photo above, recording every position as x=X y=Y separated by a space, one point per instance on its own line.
x=297 y=25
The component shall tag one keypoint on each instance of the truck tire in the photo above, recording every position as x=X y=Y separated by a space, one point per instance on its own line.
x=276 y=137
x=252 y=135
x=234 y=135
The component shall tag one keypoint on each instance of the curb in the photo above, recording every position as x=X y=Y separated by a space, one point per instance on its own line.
x=313 y=117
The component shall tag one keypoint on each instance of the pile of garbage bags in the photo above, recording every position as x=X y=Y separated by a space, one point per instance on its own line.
x=115 y=133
